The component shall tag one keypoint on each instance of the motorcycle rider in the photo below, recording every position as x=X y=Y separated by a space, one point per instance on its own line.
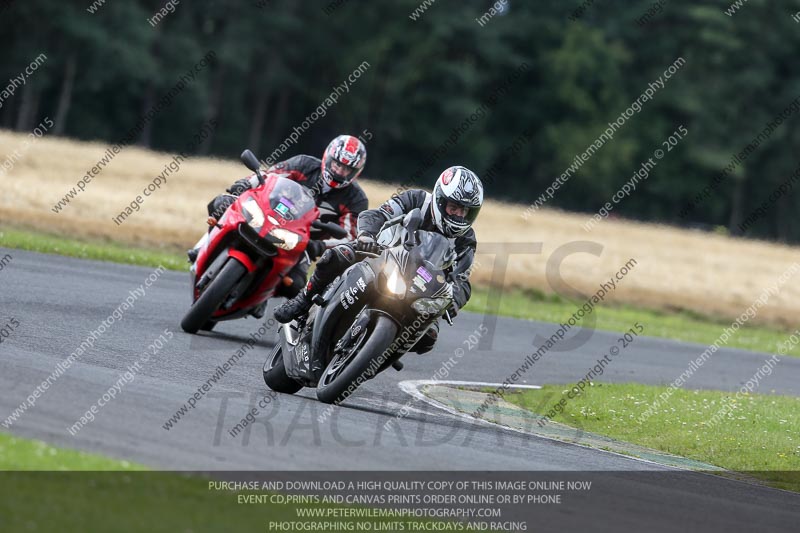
x=450 y=210
x=337 y=194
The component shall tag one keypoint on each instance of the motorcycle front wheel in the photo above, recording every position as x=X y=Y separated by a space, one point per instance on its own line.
x=341 y=376
x=275 y=373
x=213 y=296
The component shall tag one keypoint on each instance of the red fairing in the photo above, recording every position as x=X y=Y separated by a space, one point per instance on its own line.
x=225 y=236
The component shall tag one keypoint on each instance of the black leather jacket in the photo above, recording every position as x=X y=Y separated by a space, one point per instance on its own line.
x=371 y=220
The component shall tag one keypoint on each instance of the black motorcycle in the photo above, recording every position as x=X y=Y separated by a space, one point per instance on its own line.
x=369 y=317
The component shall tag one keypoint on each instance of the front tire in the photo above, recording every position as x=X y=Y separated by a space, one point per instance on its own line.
x=340 y=378
x=275 y=373
x=214 y=295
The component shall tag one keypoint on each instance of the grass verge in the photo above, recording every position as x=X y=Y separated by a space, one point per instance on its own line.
x=759 y=435
x=94 y=493
x=683 y=326
x=525 y=304
x=23 y=454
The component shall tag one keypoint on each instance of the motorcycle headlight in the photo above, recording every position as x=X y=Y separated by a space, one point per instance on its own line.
x=395 y=283
x=289 y=238
x=253 y=214
x=430 y=306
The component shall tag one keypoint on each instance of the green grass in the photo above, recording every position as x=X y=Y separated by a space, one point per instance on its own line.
x=102 y=494
x=761 y=435
x=23 y=454
x=683 y=326
x=526 y=304
x=88 y=249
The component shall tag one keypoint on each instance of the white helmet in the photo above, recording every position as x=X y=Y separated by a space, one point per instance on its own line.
x=462 y=187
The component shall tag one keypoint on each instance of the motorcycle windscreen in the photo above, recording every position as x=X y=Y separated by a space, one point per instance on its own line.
x=436 y=250
x=290 y=199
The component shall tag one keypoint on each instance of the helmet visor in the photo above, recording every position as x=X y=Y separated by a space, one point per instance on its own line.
x=339 y=172
x=459 y=212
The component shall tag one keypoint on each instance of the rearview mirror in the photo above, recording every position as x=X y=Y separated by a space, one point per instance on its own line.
x=412 y=220
x=250 y=160
x=335 y=230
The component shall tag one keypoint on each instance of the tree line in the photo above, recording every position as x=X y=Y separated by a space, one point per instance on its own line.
x=430 y=95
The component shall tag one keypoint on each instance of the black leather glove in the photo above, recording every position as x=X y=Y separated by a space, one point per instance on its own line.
x=366 y=243
x=245 y=184
x=453 y=310
x=315 y=249
x=240 y=186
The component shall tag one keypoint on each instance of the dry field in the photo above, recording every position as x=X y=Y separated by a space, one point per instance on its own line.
x=677 y=269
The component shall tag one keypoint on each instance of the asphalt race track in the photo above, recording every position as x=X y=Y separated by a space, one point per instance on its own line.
x=57 y=301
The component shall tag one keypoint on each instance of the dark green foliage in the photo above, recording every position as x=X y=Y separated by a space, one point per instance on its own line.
x=277 y=61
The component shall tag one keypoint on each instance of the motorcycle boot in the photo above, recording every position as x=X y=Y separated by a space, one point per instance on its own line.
x=294 y=308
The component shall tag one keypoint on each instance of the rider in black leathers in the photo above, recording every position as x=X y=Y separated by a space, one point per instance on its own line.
x=451 y=209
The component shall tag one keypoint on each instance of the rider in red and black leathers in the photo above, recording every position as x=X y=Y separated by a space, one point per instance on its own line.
x=450 y=210
x=332 y=181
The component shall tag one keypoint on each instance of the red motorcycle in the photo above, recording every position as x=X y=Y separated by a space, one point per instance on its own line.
x=251 y=248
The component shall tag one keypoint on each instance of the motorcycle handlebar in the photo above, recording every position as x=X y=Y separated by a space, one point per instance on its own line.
x=392 y=222
x=370 y=254
x=448 y=318
x=334 y=229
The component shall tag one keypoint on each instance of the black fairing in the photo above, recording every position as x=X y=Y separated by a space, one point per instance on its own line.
x=327 y=323
x=359 y=293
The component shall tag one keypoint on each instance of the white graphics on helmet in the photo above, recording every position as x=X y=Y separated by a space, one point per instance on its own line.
x=462 y=187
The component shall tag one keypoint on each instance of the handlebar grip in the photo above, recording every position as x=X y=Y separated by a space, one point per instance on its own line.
x=334 y=229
